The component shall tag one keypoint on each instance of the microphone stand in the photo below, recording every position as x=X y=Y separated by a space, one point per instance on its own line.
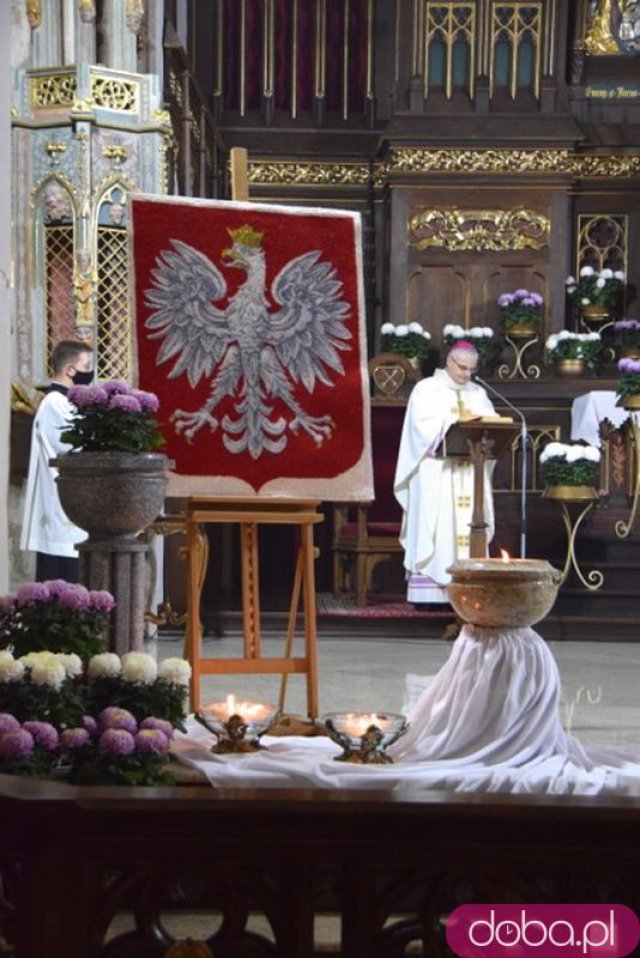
x=523 y=480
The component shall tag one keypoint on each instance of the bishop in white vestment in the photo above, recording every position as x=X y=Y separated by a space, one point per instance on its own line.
x=435 y=492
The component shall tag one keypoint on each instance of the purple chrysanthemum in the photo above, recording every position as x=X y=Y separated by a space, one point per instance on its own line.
x=115 y=386
x=75 y=597
x=628 y=365
x=101 y=600
x=43 y=734
x=151 y=740
x=83 y=396
x=32 y=592
x=148 y=401
x=117 y=741
x=72 y=738
x=124 y=402
x=90 y=724
x=56 y=586
x=16 y=744
x=117 y=718
x=157 y=723
x=8 y=722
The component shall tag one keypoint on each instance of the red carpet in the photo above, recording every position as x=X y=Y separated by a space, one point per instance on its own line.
x=382 y=607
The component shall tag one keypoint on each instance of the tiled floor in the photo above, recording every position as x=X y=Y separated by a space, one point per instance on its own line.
x=359 y=671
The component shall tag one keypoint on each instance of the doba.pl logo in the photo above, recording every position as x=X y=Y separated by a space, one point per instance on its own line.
x=542 y=931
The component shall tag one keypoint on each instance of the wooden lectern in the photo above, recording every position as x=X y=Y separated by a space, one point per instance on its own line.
x=478 y=440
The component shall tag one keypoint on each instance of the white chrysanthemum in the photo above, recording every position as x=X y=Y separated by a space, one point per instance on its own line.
x=487 y=331
x=587 y=271
x=453 y=329
x=387 y=329
x=106 y=665
x=551 y=342
x=72 y=664
x=619 y=274
x=606 y=274
x=48 y=671
x=11 y=670
x=139 y=668
x=175 y=671
x=565 y=334
x=593 y=337
x=415 y=328
x=592 y=453
x=600 y=282
x=553 y=450
x=570 y=281
x=38 y=658
x=585 y=301
x=574 y=453
x=426 y=334
x=571 y=290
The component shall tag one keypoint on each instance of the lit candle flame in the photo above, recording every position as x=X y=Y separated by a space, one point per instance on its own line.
x=504 y=555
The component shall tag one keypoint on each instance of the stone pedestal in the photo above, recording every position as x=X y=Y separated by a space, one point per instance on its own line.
x=119 y=565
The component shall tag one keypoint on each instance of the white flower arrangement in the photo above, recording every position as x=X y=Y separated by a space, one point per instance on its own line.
x=593 y=288
x=566 y=345
x=480 y=336
x=406 y=339
x=572 y=464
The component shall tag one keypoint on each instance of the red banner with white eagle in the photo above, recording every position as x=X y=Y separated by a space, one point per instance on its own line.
x=249 y=322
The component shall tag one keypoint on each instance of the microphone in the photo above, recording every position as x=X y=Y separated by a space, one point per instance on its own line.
x=523 y=444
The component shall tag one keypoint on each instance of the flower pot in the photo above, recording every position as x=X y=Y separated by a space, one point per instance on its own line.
x=570 y=493
x=629 y=352
x=569 y=367
x=521 y=331
x=594 y=314
x=112 y=493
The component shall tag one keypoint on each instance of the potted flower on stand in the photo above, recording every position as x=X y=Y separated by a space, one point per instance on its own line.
x=405 y=339
x=596 y=294
x=112 y=484
x=570 y=471
x=571 y=353
x=627 y=338
x=520 y=313
x=628 y=387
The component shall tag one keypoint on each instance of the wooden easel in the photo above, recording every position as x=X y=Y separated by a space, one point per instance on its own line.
x=250 y=513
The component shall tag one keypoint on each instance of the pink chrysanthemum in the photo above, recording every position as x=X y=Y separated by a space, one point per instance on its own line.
x=114 y=717
x=8 y=722
x=43 y=734
x=117 y=741
x=161 y=724
x=16 y=744
x=72 y=738
x=151 y=740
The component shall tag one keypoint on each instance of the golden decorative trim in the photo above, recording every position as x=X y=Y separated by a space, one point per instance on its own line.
x=115 y=152
x=457 y=229
x=317 y=174
x=115 y=93
x=419 y=160
x=53 y=90
x=416 y=160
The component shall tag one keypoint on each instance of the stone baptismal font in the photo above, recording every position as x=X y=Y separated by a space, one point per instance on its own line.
x=489 y=721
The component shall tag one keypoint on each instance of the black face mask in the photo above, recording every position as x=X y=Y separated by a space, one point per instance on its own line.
x=82 y=377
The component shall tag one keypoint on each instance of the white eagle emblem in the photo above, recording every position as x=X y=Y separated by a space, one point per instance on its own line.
x=254 y=353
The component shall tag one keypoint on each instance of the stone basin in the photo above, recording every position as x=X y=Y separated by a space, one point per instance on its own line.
x=508 y=594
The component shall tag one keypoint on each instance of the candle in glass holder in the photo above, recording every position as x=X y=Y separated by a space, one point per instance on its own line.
x=237 y=725
x=364 y=736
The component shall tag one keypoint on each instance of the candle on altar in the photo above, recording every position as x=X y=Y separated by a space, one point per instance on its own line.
x=252 y=712
x=357 y=723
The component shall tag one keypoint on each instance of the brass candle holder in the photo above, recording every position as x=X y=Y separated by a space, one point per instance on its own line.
x=364 y=737
x=237 y=726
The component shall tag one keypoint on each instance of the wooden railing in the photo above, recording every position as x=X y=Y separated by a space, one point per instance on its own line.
x=96 y=872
